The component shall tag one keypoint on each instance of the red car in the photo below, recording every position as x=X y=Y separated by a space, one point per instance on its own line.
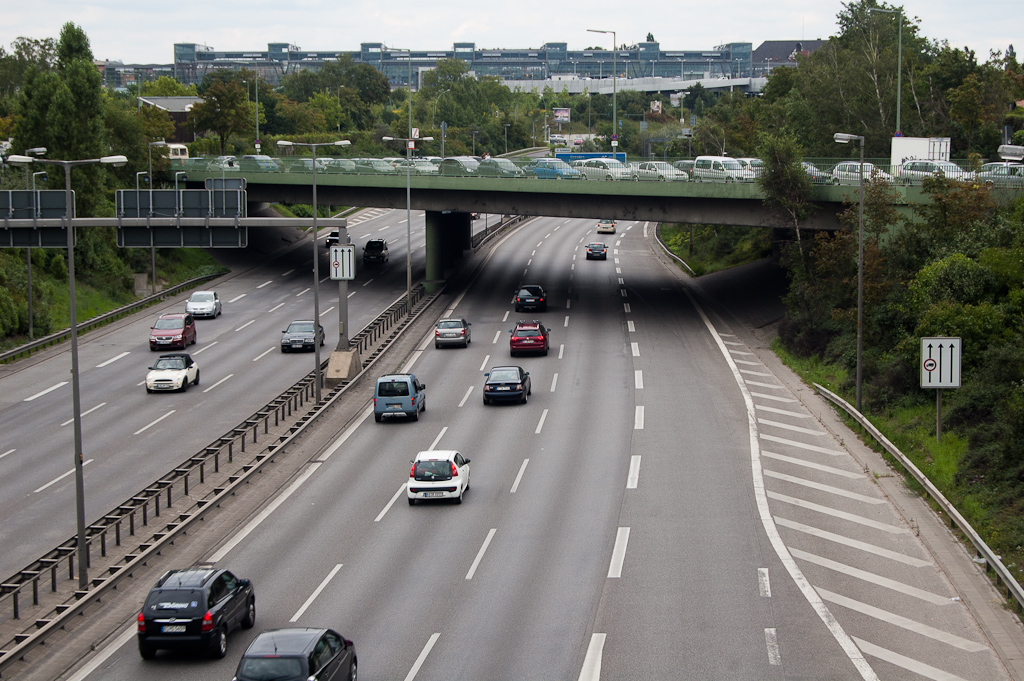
x=172 y=331
x=528 y=337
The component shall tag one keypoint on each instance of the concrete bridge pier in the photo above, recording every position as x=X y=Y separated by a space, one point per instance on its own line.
x=449 y=235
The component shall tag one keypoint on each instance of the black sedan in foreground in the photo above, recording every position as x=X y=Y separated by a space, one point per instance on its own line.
x=298 y=654
x=508 y=384
x=300 y=336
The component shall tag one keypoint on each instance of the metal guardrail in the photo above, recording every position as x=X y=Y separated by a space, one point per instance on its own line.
x=669 y=253
x=59 y=336
x=992 y=561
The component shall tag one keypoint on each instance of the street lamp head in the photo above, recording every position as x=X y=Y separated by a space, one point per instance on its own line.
x=283 y=143
x=19 y=160
x=1011 y=152
x=342 y=143
x=116 y=161
x=426 y=139
x=594 y=30
x=158 y=143
x=387 y=139
x=36 y=151
x=845 y=138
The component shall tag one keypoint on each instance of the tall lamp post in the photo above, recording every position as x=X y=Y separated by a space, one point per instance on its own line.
x=343 y=302
x=34 y=151
x=615 y=75
x=178 y=208
x=152 y=243
x=410 y=142
x=899 y=65
x=76 y=402
x=844 y=138
x=506 y=138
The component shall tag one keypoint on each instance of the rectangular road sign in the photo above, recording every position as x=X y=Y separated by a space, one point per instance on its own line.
x=940 y=362
x=343 y=262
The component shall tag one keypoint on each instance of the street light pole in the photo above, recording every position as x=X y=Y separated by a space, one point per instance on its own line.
x=506 y=138
x=843 y=138
x=615 y=76
x=178 y=208
x=76 y=401
x=342 y=286
x=899 y=65
x=152 y=242
x=409 y=143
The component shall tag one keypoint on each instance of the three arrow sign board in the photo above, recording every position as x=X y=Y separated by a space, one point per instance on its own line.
x=940 y=362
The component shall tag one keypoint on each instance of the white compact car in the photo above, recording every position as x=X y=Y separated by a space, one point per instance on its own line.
x=438 y=474
x=204 y=304
x=172 y=372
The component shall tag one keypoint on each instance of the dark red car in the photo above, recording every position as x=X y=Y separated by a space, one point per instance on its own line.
x=528 y=337
x=172 y=331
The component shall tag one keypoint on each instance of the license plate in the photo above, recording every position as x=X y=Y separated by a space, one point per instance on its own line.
x=163 y=342
x=296 y=345
x=173 y=629
x=433 y=494
x=502 y=387
x=451 y=335
x=394 y=406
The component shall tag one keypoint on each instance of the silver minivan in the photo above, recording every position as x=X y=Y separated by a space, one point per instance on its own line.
x=720 y=169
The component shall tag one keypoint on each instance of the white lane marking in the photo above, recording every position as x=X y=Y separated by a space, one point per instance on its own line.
x=852 y=543
x=574 y=256
x=480 y=553
x=529 y=262
x=469 y=391
x=48 y=390
x=202 y=349
x=325 y=278
x=618 y=270
x=547 y=235
x=540 y=424
x=112 y=360
x=540 y=243
x=623 y=292
x=764 y=396
x=566 y=324
x=746 y=362
x=262 y=355
x=638 y=418
x=784 y=412
x=519 y=477
x=618 y=553
x=58 y=479
x=900 y=621
x=383 y=228
x=367 y=282
x=276 y=307
x=919 y=668
x=217 y=383
x=524 y=272
x=437 y=439
x=561 y=350
x=423 y=657
x=763 y=374
x=497 y=335
x=416 y=355
x=571 y=267
x=786 y=426
x=236 y=298
x=772 y=641
x=153 y=423
x=645 y=230
x=266 y=283
x=616 y=261
x=621 y=281
x=824 y=488
x=810 y=464
x=316 y=592
x=9 y=451
x=635 y=348
x=872 y=578
x=251 y=321
x=351 y=294
x=401 y=490
x=100 y=659
x=638 y=379
x=591 y=670
x=328 y=309
x=554 y=381
x=765 y=385
x=305 y=290
x=630 y=326
x=505 y=318
x=633 y=479
x=84 y=413
x=764 y=584
x=860 y=520
x=568 y=304
x=483 y=364
x=625 y=308
x=287 y=273
x=801 y=445
x=535 y=252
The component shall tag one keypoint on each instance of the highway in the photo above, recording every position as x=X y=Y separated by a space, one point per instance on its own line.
x=131 y=438
x=664 y=507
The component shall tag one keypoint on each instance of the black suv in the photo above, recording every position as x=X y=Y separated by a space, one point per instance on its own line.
x=299 y=654
x=375 y=250
x=194 y=609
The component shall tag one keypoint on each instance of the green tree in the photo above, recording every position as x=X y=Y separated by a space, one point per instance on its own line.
x=165 y=86
x=224 y=110
x=786 y=185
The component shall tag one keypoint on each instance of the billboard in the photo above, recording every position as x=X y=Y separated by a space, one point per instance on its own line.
x=656 y=107
x=561 y=115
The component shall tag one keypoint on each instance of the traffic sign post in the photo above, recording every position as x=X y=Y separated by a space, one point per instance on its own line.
x=940 y=368
x=343 y=262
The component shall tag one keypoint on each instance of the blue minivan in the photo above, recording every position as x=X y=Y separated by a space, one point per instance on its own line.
x=399 y=394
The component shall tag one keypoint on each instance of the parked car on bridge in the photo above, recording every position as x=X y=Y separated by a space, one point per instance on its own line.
x=685 y=166
x=754 y=165
x=223 y=163
x=458 y=166
x=339 y=165
x=817 y=175
x=499 y=167
x=848 y=172
x=551 y=169
x=720 y=169
x=260 y=163
x=416 y=166
x=374 y=166
x=1006 y=175
x=914 y=171
x=658 y=171
x=605 y=169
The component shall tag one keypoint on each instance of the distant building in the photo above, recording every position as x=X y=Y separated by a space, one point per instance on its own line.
x=775 y=53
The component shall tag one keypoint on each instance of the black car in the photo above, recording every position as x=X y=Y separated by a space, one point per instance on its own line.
x=376 y=250
x=298 y=654
x=458 y=166
x=333 y=239
x=507 y=383
x=597 y=250
x=531 y=297
x=194 y=609
x=499 y=167
x=299 y=336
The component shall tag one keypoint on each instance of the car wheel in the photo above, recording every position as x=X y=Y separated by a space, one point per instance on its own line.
x=458 y=499
x=511 y=353
x=220 y=645
x=249 y=621
x=378 y=417
x=636 y=178
x=414 y=415
x=662 y=178
x=184 y=384
x=583 y=176
x=437 y=346
x=486 y=401
x=545 y=352
x=196 y=382
x=525 y=398
x=835 y=180
x=412 y=502
x=352 y=672
x=558 y=177
x=148 y=390
x=147 y=652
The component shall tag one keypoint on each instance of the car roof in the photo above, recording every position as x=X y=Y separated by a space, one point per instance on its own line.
x=186 y=577
x=515 y=368
x=291 y=641
x=597 y=243
x=525 y=324
x=173 y=315
x=388 y=377
x=438 y=454
x=172 y=355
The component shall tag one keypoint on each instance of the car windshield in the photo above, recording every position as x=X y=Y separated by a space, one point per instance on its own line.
x=561 y=165
x=270 y=668
x=169 y=323
x=504 y=375
x=202 y=298
x=373 y=246
x=732 y=165
x=527 y=333
x=433 y=470
x=470 y=162
x=450 y=325
x=503 y=162
x=170 y=363
x=595 y=246
x=529 y=291
x=393 y=389
x=300 y=327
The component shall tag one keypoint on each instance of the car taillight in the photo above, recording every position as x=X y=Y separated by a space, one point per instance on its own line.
x=437 y=332
x=519 y=386
x=142 y=624
x=208 y=621
x=462 y=332
x=455 y=471
x=412 y=471
x=374 y=401
x=412 y=401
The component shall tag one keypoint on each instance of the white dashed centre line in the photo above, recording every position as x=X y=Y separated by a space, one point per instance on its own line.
x=763 y=583
x=630 y=327
x=497 y=335
x=618 y=553
x=112 y=360
x=554 y=382
x=202 y=349
x=566 y=324
x=262 y=355
x=519 y=477
x=529 y=262
x=367 y=282
x=238 y=297
x=480 y=553
x=635 y=347
x=316 y=592
x=634 y=472
x=266 y=283
x=568 y=303
x=437 y=439
x=251 y=321
x=153 y=423
x=84 y=413
x=561 y=351
x=621 y=281
x=623 y=292
x=305 y=290
x=48 y=390
x=469 y=391
x=423 y=657
x=9 y=451
x=276 y=307
x=217 y=383
x=59 y=478
x=328 y=309
x=625 y=307
x=773 y=647
x=287 y=273
x=483 y=364
x=618 y=270
x=638 y=379
x=505 y=318
x=638 y=418
x=540 y=424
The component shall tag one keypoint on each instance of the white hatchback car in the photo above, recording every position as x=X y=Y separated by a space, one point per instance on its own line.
x=848 y=172
x=438 y=474
x=172 y=372
x=605 y=169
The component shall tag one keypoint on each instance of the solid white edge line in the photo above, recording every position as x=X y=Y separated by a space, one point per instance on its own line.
x=480 y=553
x=437 y=439
x=112 y=360
x=48 y=390
x=423 y=657
x=217 y=383
x=842 y=638
x=316 y=592
x=540 y=424
x=633 y=479
x=122 y=639
x=153 y=423
x=59 y=478
x=591 y=670
x=618 y=553
x=566 y=324
x=469 y=392
x=519 y=477
x=390 y=504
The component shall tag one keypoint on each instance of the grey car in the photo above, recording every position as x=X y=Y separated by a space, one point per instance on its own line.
x=204 y=304
x=299 y=336
x=453 y=332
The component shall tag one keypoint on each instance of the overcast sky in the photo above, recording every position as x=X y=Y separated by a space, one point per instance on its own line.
x=145 y=32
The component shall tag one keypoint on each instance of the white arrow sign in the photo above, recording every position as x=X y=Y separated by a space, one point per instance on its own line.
x=343 y=262
x=940 y=362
